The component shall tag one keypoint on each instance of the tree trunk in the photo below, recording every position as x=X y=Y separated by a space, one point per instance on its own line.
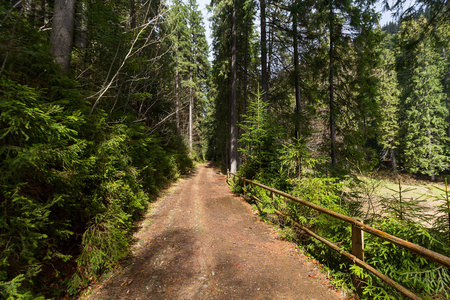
x=177 y=100
x=298 y=100
x=191 y=106
x=81 y=25
x=43 y=15
x=446 y=93
x=264 y=73
x=394 y=162
x=132 y=14
x=62 y=32
x=233 y=136
x=331 y=86
x=246 y=71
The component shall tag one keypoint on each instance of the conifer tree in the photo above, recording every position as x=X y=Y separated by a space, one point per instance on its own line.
x=347 y=43
x=181 y=46
x=199 y=65
x=246 y=65
x=423 y=105
x=62 y=32
x=388 y=100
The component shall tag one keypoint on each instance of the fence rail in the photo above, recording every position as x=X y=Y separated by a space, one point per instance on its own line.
x=357 y=255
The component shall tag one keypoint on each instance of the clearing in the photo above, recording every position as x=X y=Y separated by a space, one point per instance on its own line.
x=201 y=242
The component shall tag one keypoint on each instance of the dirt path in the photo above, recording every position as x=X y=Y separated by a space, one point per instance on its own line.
x=200 y=242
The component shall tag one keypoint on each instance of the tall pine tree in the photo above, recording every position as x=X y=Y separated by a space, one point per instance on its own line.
x=388 y=101
x=423 y=105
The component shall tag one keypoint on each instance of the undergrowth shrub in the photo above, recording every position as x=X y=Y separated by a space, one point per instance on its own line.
x=72 y=183
x=427 y=279
x=416 y=273
x=38 y=150
x=71 y=188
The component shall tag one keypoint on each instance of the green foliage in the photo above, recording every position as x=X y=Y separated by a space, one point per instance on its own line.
x=424 y=113
x=296 y=158
x=407 y=268
x=324 y=192
x=56 y=185
x=388 y=100
x=260 y=135
x=104 y=243
x=72 y=182
x=11 y=290
x=38 y=150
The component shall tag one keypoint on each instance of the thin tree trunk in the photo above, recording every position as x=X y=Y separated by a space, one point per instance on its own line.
x=132 y=14
x=447 y=100
x=430 y=145
x=264 y=73
x=245 y=82
x=394 y=161
x=298 y=100
x=81 y=25
x=191 y=106
x=246 y=71
x=62 y=32
x=269 y=33
x=331 y=84
x=177 y=100
x=43 y=12
x=233 y=133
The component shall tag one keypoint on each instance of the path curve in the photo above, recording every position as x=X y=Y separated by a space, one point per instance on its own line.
x=201 y=242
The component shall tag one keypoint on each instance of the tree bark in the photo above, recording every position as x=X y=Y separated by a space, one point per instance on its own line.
x=81 y=25
x=264 y=73
x=394 y=161
x=447 y=100
x=331 y=86
x=177 y=100
x=62 y=32
x=233 y=133
x=132 y=14
x=246 y=71
x=298 y=100
x=191 y=106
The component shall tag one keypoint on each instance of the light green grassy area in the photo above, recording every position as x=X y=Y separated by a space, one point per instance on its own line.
x=373 y=190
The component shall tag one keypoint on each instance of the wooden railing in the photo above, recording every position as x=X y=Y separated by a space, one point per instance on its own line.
x=357 y=255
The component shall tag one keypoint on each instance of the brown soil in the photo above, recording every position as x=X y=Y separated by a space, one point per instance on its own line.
x=201 y=242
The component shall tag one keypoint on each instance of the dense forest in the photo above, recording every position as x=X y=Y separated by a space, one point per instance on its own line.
x=100 y=107
x=105 y=103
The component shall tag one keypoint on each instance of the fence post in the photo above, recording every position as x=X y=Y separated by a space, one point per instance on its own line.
x=358 y=251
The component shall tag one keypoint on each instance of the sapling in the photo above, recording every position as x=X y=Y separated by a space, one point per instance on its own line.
x=442 y=221
x=404 y=208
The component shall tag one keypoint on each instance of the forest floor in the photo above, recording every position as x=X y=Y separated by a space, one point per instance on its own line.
x=199 y=241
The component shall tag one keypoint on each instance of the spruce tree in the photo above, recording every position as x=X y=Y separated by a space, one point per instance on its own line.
x=423 y=108
x=199 y=65
x=181 y=46
x=388 y=101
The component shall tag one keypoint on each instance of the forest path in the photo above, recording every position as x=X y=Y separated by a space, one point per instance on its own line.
x=201 y=242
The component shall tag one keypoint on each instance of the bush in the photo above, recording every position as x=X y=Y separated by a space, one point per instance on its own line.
x=71 y=188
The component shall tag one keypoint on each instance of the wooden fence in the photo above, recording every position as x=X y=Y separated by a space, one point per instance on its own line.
x=358 y=227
